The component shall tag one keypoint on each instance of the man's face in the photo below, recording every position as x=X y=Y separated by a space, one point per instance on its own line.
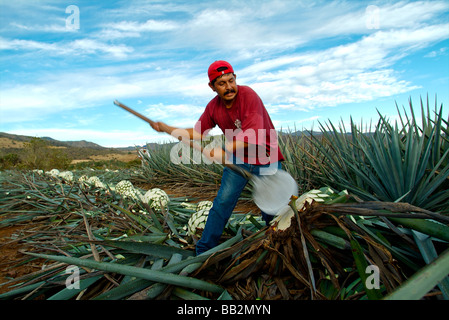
x=226 y=87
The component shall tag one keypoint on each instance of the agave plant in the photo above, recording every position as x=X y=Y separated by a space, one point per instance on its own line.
x=388 y=221
x=325 y=246
x=121 y=245
x=408 y=163
x=158 y=164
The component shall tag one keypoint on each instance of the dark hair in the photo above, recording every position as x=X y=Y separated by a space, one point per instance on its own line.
x=215 y=80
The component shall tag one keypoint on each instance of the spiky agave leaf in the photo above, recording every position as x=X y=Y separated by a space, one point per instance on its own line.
x=405 y=161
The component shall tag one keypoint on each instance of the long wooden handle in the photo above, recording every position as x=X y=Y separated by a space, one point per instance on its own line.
x=141 y=116
x=194 y=145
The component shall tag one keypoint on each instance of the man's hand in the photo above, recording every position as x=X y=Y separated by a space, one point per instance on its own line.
x=158 y=126
x=178 y=133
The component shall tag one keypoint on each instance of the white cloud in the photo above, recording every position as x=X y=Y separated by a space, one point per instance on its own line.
x=263 y=28
x=58 y=28
x=147 y=26
x=112 y=138
x=72 y=48
x=229 y=30
x=17 y=44
x=292 y=125
x=70 y=92
x=84 y=88
x=298 y=55
x=355 y=72
x=134 y=29
x=163 y=111
x=89 y=46
x=356 y=18
x=436 y=53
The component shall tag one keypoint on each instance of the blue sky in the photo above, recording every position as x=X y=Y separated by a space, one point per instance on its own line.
x=63 y=63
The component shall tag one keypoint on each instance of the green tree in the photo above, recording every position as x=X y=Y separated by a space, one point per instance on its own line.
x=9 y=161
x=35 y=153
x=38 y=155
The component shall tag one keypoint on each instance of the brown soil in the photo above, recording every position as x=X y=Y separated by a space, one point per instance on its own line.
x=124 y=157
x=9 y=251
x=8 y=143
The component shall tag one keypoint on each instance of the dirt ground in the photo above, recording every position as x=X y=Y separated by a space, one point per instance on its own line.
x=10 y=256
x=124 y=157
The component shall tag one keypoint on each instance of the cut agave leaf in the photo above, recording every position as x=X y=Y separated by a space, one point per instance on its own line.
x=153 y=275
x=418 y=285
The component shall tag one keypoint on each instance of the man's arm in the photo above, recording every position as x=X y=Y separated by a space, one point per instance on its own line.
x=216 y=154
x=178 y=133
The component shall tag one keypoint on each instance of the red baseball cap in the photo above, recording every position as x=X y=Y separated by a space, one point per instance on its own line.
x=219 y=68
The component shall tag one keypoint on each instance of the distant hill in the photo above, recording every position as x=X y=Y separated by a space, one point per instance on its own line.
x=77 y=150
x=52 y=142
x=76 y=144
x=305 y=133
x=18 y=140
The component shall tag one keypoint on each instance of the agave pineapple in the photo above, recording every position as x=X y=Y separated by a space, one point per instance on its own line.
x=197 y=220
x=204 y=205
x=96 y=182
x=66 y=176
x=38 y=171
x=53 y=173
x=284 y=216
x=156 y=198
x=83 y=179
x=126 y=189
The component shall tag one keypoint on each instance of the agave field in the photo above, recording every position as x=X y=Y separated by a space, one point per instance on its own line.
x=371 y=222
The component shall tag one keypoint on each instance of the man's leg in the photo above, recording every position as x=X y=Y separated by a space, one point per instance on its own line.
x=232 y=185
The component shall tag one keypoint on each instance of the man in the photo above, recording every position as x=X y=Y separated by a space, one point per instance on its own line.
x=251 y=142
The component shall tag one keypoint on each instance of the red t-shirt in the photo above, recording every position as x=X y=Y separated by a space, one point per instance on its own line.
x=248 y=121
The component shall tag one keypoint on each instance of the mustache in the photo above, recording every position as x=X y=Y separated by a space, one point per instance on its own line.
x=229 y=91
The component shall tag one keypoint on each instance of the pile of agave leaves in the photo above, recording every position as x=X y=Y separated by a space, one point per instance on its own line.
x=331 y=246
